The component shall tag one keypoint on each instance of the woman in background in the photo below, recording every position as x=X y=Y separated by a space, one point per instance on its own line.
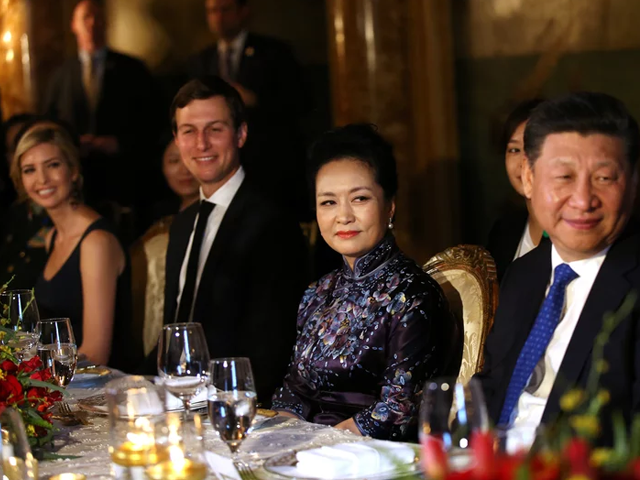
x=86 y=277
x=371 y=332
x=148 y=254
x=518 y=232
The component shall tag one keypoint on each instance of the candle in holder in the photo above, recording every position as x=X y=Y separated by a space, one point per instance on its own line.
x=177 y=467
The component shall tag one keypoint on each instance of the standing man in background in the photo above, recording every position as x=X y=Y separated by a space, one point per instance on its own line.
x=107 y=97
x=270 y=81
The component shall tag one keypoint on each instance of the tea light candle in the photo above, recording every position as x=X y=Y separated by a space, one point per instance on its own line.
x=177 y=467
x=69 y=476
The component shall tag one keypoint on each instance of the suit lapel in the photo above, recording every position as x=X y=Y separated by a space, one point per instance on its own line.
x=81 y=106
x=176 y=251
x=248 y=53
x=607 y=293
x=110 y=68
x=225 y=237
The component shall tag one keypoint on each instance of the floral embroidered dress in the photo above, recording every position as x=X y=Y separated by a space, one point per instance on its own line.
x=367 y=341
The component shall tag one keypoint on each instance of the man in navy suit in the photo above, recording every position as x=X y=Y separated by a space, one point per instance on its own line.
x=108 y=99
x=580 y=175
x=270 y=82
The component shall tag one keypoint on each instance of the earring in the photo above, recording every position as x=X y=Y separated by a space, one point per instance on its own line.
x=390 y=225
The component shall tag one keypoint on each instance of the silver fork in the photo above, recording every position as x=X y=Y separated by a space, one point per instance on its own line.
x=65 y=409
x=245 y=471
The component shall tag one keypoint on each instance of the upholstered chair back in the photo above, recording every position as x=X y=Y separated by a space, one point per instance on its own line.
x=467 y=275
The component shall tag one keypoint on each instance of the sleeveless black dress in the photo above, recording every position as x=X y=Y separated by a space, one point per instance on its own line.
x=61 y=297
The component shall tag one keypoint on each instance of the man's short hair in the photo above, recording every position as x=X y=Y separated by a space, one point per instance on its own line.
x=207 y=87
x=585 y=113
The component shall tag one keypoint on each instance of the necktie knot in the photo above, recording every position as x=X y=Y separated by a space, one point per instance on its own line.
x=205 y=209
x=563 y=275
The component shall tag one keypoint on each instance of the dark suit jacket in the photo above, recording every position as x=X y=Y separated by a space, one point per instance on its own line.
x=275 y=149
x=521 y=295
x=504 y=239
x=127 y=109
x=251 y=285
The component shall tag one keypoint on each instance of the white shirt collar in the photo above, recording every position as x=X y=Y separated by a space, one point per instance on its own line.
x=98 y=55
x=224 y=195
x=237 y=43
x=585 y=268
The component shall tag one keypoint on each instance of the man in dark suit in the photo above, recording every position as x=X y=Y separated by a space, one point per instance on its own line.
x=235 y=261
x=107 y=97
x=580 y=175
x=270 y=81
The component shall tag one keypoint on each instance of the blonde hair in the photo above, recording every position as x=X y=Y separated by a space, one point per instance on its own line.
x=54 y=134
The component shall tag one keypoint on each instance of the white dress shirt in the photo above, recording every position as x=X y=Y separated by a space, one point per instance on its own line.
x=237 y=44
x=222 y=199
x=532 y=402
x=526 y=243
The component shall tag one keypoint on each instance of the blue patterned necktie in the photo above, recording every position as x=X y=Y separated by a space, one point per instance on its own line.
x=538 y=340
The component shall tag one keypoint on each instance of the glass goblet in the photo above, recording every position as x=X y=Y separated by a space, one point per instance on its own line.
x=57 y=348
x=183 y=358
x=19 y=313
x=231 y=399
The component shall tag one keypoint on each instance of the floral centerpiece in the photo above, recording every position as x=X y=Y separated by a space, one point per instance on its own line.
x=27 y=387
x=566 y=448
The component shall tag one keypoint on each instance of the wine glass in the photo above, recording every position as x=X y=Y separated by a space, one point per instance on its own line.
x=450 y=415
x=183 y=357
x=231 y=399
x=19 y=312
x=57 y=348
x=17 y=460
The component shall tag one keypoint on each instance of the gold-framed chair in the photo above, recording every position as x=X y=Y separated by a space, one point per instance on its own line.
x=467 y=275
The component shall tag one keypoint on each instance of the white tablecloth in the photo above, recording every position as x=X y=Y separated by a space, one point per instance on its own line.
x=91 y=443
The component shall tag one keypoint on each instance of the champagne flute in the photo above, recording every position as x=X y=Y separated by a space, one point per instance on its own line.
x=57 y=348
x=19 y=312
x=183 y=357
x=450 y=415
x=231 y=399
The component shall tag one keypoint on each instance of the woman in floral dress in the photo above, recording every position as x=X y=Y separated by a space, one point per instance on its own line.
x=371 y=332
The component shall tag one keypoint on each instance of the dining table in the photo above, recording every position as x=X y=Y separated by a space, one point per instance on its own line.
x=85 y=448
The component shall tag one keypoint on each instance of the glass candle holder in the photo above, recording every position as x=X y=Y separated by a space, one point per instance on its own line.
x=18 y=462
x=135 y=406
x=182 y=444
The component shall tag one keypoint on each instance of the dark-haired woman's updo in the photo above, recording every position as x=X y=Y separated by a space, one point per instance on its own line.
x=360 y=142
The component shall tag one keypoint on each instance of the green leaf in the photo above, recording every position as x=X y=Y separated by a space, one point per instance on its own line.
x=33 y=418
x=620 y=443
x=30 y=382
x=634 y=438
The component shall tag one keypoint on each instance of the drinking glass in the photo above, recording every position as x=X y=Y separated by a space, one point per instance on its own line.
x=17 y=460
x=183 y=357
x=451 y=413
x=231 y=399
x=19 y=312
x=57 y=348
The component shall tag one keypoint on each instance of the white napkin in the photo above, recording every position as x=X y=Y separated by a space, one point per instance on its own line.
x=172 y=402
x=147 y=403
x=353 y=459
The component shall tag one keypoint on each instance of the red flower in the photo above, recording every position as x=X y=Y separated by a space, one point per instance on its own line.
x=578 y=453
x=42 y=375
x=483 y=455
x=8 y=366
x=30 y=365
x=10 y=390
x=434 y=457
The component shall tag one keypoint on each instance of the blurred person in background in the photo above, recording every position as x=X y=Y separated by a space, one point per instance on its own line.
x=148 y=253
x=270 y=81
x=108 y=99
x=86 y=276
x=518 y=232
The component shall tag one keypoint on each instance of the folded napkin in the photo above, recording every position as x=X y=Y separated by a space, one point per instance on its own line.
x=354 y=459
x=143 y=404
x=174 y=403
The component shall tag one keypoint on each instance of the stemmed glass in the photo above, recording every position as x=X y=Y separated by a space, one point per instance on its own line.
x=450 y=415
x=57 y=348
x=19 y=312
x=231 y=399
x=183 y=357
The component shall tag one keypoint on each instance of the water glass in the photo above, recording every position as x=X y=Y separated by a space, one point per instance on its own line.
x=450 y=414
x=19 y=312
x=57 y=348
x=231 y=399
x=183 y=358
